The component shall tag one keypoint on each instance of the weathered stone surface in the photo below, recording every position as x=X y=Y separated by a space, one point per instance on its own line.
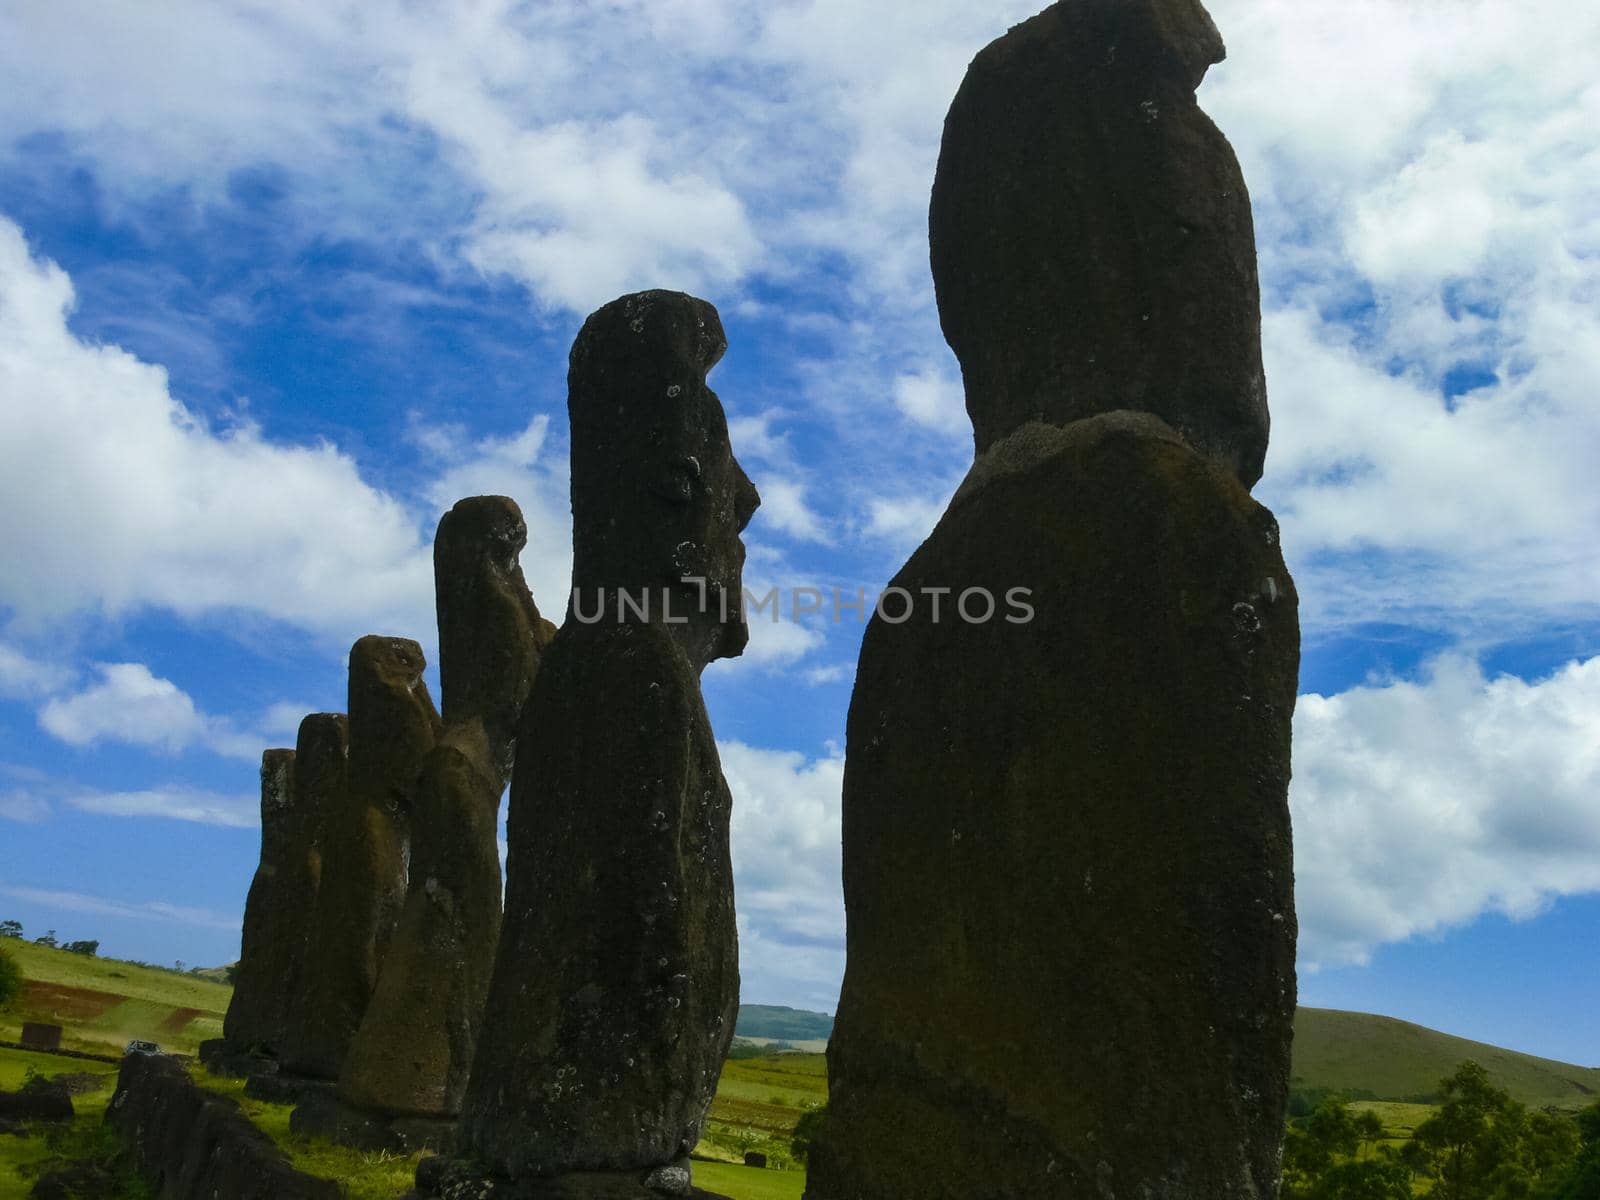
x=366 y=845
x=277 y=913
x=37 y=1035
x=1067 y=859
x=1091 y=235
x=452 y=1179
x=656 y=488
x=414 y=1049
x=78 y=1181
x=616 y=982
x=490 y=632
x=274 y=1087
x=193 y=1145
x=321 y=787
x=37 y=1100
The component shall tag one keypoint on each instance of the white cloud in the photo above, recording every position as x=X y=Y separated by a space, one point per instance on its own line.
x=785 y=507
x=119 y=498
x=152 y=910
x=1419 y=806
x=534 y=473
x=904 y=521
x=785 y=834
x=20 y=804
x=173 y=804
x=932 y=398
x=131 y=705
x=1482 y=516
x=23 y=677
x=1428 y=205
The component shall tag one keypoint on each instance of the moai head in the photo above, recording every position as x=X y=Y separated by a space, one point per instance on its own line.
x=1091 y=236
x=321 y=761
x=490 y=631
x=278 y=809
x=658 y=500
x=392 y=719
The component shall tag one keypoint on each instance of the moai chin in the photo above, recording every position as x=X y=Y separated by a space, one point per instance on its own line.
x=414 y=1049
x=366 y=846
x=1067 y=865
x=616 y=982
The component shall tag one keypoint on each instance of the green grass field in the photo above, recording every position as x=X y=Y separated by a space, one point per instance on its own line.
x=364 y=1176
x=103 y=1004
x=18 y=1155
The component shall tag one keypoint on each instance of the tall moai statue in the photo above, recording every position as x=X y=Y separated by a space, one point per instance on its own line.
x=616 y=984
x=1067 y=863
x=366 y=845
x=321 y=788
x=277 y=913
x=414 y=1049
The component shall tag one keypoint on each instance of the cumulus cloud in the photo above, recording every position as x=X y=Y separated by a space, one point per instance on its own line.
x=785 y=835
x=120 y=498
x=933 y=398
x=1427 y=211
x=23 y=677
x=785 y=506
x=1419 y=806
x=531 y=468
x=130 y=704
x=904 y=521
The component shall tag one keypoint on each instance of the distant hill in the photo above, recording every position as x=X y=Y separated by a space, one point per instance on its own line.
x=1396 y=1060
x=1359 y=1053
x=771 y=1022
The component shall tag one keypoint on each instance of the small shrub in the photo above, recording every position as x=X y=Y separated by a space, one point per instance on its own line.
x=10 y=980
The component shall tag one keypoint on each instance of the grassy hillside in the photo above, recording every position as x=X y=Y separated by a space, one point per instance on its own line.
x=103 y=1003
x=1395 y=1060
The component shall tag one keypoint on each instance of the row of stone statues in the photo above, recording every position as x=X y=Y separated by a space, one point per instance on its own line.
x=1067 y=865
x=580 y=1037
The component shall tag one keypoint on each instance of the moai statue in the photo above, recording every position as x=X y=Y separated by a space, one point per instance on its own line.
x=1067 y=864
x=616 y=984
x=411 y=1057
x=321 y=788
x=277 y=914
x=366 y=846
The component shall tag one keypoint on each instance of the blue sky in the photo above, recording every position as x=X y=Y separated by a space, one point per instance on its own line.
x=279 y=284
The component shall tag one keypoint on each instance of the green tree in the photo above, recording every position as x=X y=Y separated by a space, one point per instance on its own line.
x=10 y=980
x=49 y=939
x=806 y=1130
x=1582 y=1179
x=10 y=929
x=1382 y=1178
x=1471 y=1146
x=88 y=949
x=1313 y=1143
x=1369 y=1131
